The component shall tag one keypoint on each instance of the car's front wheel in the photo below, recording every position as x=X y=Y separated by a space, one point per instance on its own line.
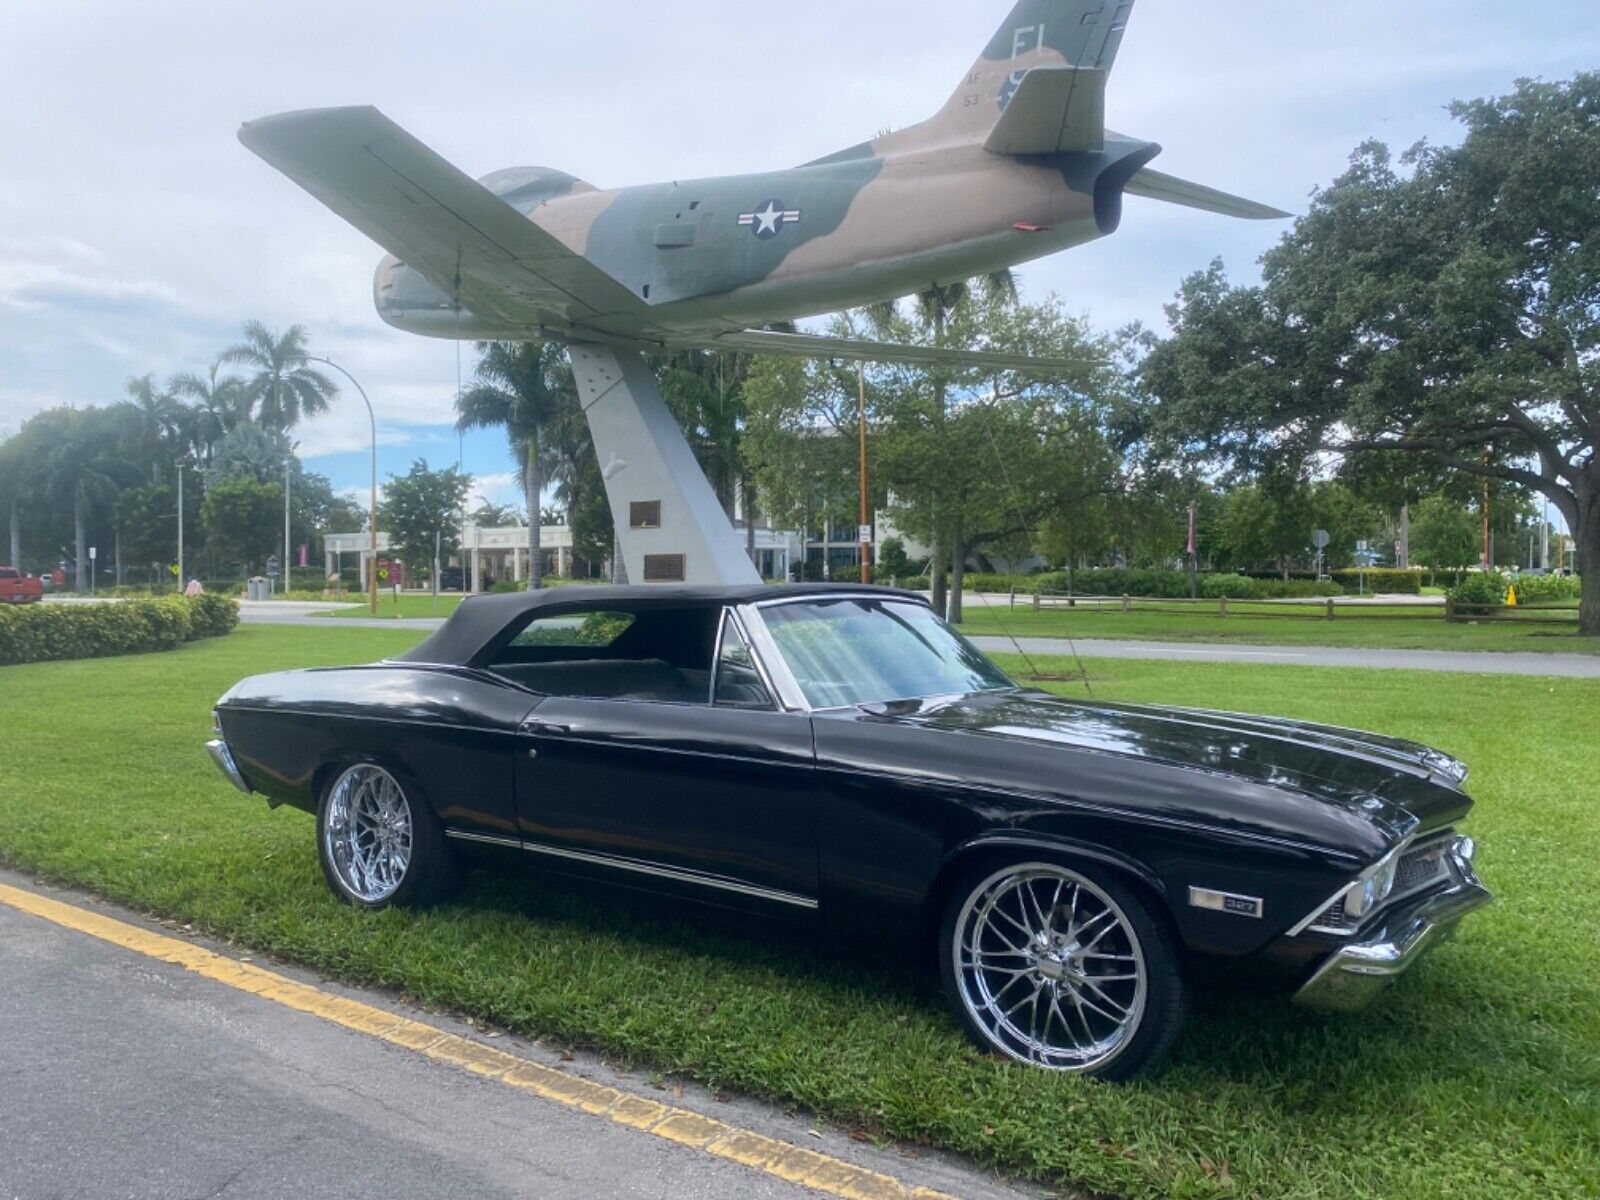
x=1062 y=969
x=379 y=845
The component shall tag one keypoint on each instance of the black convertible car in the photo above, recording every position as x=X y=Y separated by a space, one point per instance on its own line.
x=843 y=756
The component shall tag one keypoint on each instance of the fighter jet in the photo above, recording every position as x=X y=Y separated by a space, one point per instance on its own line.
x=1018 y=164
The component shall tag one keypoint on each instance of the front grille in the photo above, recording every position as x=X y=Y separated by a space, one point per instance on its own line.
x=1420 y=868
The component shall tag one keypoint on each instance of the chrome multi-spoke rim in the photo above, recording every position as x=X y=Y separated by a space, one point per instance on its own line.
x=368 y=833
x=1050 y=968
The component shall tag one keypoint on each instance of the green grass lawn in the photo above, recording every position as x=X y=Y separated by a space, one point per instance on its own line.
x=1478 y=1078
x=1392 y=630
x=407 y=607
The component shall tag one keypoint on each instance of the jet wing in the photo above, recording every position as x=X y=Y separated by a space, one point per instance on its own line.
x=804 y=345
x=425 y=211
x=1154 y=185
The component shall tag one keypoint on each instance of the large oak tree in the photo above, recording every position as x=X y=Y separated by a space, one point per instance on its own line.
x=1444 y=308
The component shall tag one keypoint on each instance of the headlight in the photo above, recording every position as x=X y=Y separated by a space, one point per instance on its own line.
x=1374 y=887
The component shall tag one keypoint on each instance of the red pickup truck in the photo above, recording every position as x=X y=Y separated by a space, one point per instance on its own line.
x=17 y=588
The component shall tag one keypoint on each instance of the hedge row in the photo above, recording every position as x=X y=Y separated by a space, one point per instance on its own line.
x=1166 y=585
x=52 y=632
x=1495 y=589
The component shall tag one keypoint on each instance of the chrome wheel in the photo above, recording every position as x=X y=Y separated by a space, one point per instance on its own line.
x=367 y=834
x=1050 y=968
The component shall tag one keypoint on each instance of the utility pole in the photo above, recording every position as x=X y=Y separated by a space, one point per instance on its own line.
x=1488 y=550
x=288 y=562
x=865 y=533
x=182 y=582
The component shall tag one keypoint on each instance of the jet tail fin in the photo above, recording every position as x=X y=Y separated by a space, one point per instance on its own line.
x=1055 y=110
x=1075 y=41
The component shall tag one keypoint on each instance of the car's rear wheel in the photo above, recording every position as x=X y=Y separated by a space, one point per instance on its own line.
x=1062 y=969
x=381 y=845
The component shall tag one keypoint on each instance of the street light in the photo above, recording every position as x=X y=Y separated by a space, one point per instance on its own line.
x=372 y=571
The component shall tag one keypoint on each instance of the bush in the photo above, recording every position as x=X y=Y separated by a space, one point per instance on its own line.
x=1482 y=590
x=54 y=632
x=1548 y=589
x=1381 y=581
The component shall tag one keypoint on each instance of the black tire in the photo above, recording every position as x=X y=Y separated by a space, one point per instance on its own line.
x=1142 y=934
x=432 y=873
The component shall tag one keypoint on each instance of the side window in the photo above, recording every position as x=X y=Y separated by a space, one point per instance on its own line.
x=586 y=631
x=739 y=684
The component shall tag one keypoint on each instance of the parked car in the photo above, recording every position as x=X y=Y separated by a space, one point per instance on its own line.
x=841 y=756
x=17 y=588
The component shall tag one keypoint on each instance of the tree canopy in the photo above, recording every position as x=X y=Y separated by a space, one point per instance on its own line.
x=1443 y=307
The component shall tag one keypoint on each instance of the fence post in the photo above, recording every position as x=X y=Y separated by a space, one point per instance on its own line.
x=1038 y=602
x=1127 y=604
x=1224 y=606
x=1332 y=612
x=1013 y=603
x=1449 y=610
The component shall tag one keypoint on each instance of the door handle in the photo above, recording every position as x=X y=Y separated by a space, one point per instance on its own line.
x=545 y=728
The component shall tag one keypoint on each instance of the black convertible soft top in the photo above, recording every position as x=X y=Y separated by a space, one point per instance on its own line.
x=481 y=620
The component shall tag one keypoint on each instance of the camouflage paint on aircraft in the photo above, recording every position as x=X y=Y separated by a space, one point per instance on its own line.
x=1016 y=165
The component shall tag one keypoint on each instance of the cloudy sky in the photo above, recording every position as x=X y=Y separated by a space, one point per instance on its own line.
x=136 y=235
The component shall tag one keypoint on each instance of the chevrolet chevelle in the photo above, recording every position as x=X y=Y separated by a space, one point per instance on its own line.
x=844 y=757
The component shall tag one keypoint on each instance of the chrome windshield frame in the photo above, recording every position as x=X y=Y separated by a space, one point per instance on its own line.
x=788 y=689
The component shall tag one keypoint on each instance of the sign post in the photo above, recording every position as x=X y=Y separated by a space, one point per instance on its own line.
x=1321 y=540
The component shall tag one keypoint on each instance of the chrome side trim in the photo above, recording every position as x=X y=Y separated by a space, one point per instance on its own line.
x=658 y=871
x=769 y=660
x=483 y=839
x=223 y=757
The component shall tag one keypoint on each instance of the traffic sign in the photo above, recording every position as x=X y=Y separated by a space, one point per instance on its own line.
x=1321 y=539
x=273 y=567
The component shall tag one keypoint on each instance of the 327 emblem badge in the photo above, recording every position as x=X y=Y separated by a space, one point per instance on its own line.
x=767 y=222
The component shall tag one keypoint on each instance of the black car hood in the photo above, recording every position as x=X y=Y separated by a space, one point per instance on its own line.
x=1398 y=785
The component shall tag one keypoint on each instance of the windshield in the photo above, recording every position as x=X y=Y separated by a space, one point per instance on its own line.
x=859 y=651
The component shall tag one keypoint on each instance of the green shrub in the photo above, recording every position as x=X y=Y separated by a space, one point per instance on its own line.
x=846 y=574
x=1481 y=590
x=53 y=632
x=1548 y=589
x=1380 y=581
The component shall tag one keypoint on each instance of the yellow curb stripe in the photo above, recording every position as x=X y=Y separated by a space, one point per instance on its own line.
x=793 y=1164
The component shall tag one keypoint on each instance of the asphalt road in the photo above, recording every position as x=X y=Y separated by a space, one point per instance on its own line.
x=122 y=1076
x=1467 y=662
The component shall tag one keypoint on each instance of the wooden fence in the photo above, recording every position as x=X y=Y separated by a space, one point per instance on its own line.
x=1325 y=609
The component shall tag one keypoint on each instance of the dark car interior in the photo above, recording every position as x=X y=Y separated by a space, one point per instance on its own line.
x=662 y=654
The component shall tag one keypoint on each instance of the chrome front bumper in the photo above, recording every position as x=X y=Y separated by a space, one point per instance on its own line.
x=223 y=757
x=1359 y=973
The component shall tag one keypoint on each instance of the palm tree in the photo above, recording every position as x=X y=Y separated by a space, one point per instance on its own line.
x=219 y=403
x=285 y=387
x=163 y=422
x=84 y=472
x=520 y=390
x=493 y=516
x=13 y=492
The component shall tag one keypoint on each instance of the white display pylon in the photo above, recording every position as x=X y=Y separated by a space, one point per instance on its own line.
x=670 y=526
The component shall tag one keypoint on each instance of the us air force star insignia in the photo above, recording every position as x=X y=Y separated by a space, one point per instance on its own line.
x=767 y=222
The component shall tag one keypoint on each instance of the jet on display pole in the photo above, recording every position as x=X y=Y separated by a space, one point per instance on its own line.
x=1017 y=165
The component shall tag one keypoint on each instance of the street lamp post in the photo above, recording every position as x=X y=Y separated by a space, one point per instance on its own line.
x=372 y=570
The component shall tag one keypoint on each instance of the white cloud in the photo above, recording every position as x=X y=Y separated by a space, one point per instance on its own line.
x=139 y=236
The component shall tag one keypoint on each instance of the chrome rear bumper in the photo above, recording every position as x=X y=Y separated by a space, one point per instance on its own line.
x=1358 y=973
x=223 y=757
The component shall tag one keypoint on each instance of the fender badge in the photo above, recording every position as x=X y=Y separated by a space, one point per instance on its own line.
x=1222 y=902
